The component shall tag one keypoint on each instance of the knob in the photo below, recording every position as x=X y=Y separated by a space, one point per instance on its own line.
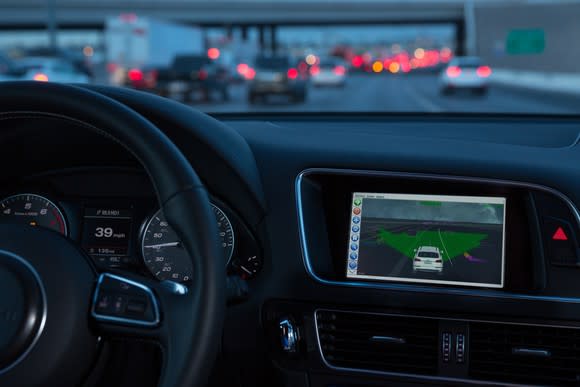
x=289 y=335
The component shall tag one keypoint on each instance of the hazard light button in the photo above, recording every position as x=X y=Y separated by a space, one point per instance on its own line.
x=561 y=245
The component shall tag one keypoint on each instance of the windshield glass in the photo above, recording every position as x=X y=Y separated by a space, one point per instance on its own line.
x=240 y=56
x=427 y=254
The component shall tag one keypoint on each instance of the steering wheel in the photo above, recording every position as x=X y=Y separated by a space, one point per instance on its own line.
x=55 y=307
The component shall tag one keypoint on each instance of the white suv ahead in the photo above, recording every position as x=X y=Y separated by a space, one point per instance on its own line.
x=428 y=258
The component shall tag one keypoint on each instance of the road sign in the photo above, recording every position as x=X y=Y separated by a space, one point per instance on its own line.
x=525 y=42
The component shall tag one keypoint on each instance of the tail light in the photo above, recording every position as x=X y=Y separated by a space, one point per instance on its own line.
x=40 y=77
x=453 y=71
x=314 y=70
x=483 y=71
x=250 y=74
x=438 y=261
x=417 y=259
x=135 y=75
x=292 y=73
x=339 y=70
x=202 y=74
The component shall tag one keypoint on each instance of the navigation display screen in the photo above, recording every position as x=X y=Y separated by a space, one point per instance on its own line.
x=453 y=240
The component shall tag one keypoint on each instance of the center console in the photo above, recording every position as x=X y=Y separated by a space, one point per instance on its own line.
x=438 y=234
x=431 y=279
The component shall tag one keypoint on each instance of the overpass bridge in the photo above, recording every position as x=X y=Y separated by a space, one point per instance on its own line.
x=91 y=13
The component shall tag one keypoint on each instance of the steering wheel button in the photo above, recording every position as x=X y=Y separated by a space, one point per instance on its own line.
x=121 y=300
x=136 y=307
x=103 y=303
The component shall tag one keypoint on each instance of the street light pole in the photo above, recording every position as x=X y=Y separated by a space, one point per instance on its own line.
x=51 y=23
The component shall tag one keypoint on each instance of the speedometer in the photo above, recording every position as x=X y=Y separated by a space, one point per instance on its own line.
x=164 y=254
x=34 y=210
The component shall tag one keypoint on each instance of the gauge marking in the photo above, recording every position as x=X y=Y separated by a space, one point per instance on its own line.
x=164 y=260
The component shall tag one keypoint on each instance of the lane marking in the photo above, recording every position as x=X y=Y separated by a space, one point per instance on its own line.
x=422 y=100
x=446 y=252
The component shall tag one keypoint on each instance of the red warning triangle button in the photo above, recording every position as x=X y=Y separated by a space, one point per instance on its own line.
x=560 y=235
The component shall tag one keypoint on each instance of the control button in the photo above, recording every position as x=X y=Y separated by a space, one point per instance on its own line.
x=354 y=238
x=354 y=247
x=355 y=228
x=356 y=211
x=460 y=348
x=136 y=307
x=357 y=202
x=561 y=247
x=289 y=336
x=352 y=265
x=446 y=339
x=103 y=303
x=120 y=300
x=355 y=219
x=353 y=255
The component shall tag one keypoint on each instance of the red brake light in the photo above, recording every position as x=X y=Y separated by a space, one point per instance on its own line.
x=135 y=75
x=213 y=53
x=292 y=73
x=339 y=70
x=314 y=70
x=202 y=74
x=357 y=61
x=438 y=261
x=250 y=74
x=242 y=68
x=417 y=259
x=453 y=71
x=483 y=71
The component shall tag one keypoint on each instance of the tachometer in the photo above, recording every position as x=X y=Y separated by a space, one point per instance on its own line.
x=164 y=254
x=34 y=210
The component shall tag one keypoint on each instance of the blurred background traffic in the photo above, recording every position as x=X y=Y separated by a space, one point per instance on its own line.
x=259 y=55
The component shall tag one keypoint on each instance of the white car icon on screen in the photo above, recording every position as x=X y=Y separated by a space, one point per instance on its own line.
x=428 y=258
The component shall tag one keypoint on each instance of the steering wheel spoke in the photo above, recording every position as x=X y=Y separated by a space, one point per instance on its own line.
x=131 y=305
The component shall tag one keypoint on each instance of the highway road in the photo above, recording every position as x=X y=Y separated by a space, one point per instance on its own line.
x=482 y=265
x=400 y=93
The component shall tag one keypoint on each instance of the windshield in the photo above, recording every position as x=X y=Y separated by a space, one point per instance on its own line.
x=436 y=56
x=427 y=254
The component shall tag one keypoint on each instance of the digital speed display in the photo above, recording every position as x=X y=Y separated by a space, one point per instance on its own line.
x=106 y=234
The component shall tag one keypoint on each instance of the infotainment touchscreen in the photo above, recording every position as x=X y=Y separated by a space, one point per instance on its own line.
x=434 y=239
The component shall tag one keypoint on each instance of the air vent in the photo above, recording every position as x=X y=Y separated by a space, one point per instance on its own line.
x=378 y=342
x=525 y=354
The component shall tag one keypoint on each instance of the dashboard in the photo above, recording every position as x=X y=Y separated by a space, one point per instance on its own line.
x=335 y=226
x=124 y=233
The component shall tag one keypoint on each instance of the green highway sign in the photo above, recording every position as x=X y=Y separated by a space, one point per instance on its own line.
x=525 y=42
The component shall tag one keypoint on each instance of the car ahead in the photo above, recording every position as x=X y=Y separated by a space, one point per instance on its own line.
x=76 y=58
x=187 y=75
x=50 y=69
x=329 y=72
x=8 y=69
x=428 y=258
x=275 y=75
x=465 y=73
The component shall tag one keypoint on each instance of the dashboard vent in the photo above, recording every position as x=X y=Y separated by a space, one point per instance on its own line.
x=525 y=354
x=378 y=342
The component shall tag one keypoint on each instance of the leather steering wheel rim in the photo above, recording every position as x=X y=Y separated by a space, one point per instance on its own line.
x=191 y=323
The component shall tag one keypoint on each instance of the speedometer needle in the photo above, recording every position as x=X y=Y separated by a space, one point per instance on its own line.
x=168 y=244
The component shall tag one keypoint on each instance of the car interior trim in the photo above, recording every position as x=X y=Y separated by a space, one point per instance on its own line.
x=418 y=376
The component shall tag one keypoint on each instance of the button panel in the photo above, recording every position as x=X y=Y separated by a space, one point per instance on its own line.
x=460 y=348
x=124 y=301
x=560 y=242
x=446 y=340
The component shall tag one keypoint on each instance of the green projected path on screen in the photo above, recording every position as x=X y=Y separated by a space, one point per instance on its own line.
x=450 y=243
